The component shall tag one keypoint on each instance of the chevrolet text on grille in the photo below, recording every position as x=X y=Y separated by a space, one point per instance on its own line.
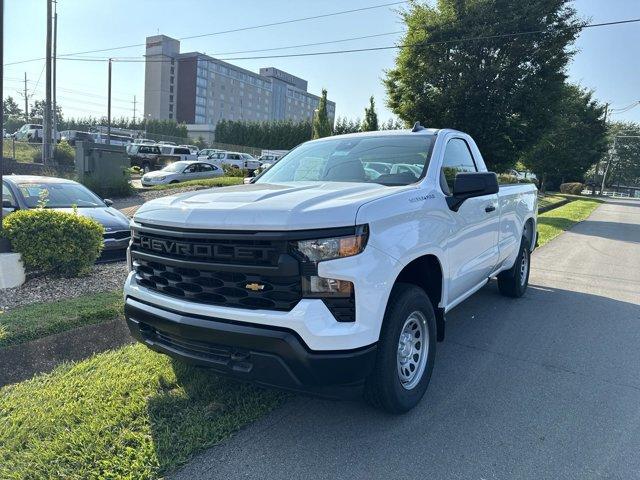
x=204 y=250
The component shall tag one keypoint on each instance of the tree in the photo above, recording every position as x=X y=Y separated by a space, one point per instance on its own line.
x=10 y=108
x=200 y=142
x=575 y=140
x=502 y=90
x=274 y=135
x=346 y=126
x=36 y=113
x=370 y=122
x=624 y=166
x=392 y=124
x=321 y=125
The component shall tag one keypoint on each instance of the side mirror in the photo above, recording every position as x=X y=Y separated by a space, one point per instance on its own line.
x=8 y=205
x=108 y=202
x=470 y=185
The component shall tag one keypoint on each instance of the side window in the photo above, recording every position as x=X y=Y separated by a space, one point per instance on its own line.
x=457 y=159
x=7 y=196
x=191 y=169
x=144 y=150
x=203 y=167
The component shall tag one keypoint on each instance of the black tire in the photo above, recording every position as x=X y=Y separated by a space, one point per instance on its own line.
x=514 y=282
x=174 y=181
x=146 y=167
x=384 y=388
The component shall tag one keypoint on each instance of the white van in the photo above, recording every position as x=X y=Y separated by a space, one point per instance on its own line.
x=182 y=152
x=235 y=159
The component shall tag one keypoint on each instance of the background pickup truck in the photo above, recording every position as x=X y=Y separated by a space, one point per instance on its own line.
x=333 y=271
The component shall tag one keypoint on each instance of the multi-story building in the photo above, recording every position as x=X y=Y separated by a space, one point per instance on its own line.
x=195 y=88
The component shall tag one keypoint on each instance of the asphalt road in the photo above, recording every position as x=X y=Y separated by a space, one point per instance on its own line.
x=544 y=387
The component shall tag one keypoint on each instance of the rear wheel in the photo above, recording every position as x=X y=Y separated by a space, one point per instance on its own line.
x=514 y=282
x=406 y=351
x=146 y=167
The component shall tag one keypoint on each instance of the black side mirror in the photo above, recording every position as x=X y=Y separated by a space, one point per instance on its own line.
x=470 y=185
x=108 y=202
x=8 y=205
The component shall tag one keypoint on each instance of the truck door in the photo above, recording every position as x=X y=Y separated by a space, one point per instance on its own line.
x=472 y=248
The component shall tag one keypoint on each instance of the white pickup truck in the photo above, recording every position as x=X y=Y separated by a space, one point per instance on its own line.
x=332 y=271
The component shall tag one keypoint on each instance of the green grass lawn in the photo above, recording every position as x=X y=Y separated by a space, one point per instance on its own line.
x=554 y=222
x=206 y=182
x=41 y=319
x=127 y=413
x=25 y=152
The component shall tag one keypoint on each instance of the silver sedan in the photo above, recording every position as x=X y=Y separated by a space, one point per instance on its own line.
x=181 y=172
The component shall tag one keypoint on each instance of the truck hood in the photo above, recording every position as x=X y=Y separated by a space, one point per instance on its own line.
x=286 y=206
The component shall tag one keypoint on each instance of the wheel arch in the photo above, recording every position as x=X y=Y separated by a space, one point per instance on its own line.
x=426 y=272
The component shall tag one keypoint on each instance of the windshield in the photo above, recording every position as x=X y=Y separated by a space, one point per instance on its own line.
x=58 y=195
x=175 y=167
x=388 y=160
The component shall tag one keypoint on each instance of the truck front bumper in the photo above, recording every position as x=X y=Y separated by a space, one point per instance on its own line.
x=266 y=355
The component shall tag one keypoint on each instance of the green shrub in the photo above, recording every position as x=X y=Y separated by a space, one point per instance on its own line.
x=117 y=187
x=233 y=171
x=574 y=188
x=64 y=153
x=52 y=241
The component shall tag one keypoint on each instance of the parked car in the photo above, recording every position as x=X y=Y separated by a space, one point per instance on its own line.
x=317 y=277
x=207 y=153
x=235 y=159
x=181 y=172
x=177 y=153
x=73 y=136
x=163 y=142
x=26 y=191
x=147 y=157
x=192 y=148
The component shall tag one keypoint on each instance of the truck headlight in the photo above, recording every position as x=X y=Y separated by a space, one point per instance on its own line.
x=332 y=247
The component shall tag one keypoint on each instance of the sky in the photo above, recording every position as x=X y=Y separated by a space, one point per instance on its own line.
x=607 y=59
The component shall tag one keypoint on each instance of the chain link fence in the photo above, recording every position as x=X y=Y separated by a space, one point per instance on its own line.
x=24 y=152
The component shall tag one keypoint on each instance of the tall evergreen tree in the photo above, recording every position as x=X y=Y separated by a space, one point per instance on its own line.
x=370 y=122
x=321 y=125
x=503 y=90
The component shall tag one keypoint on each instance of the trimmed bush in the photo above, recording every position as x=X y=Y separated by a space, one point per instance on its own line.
x=52 y=241
x=233 y=171
x=574 y=188
x=64 y=153
x=505 y=178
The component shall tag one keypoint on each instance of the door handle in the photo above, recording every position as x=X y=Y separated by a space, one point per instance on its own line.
x=490 y=208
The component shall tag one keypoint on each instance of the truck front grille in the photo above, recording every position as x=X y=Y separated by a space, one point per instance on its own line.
x=232 y=269
x=229 y=289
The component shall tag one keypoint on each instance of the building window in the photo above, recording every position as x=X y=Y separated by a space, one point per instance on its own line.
x=171 y=89
x=171 y=79
x=171 y=107
x=171 y=98
x=172 y=70
x=170 y=115
x=173 y=61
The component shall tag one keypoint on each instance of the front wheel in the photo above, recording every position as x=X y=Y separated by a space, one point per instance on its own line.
x=514 y=282
x=406 y=351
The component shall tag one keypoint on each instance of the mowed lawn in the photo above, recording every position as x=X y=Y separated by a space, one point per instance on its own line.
x=132 y=413
x=127 y=413
x=554 y=222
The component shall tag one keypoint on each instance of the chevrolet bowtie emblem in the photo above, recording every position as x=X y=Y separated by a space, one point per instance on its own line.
x=254 y=286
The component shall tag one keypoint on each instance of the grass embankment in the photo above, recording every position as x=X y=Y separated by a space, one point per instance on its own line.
x=554 y=222
x=127 y=413
x=547 y=201
x=41 y=319
x=206 y=182
x=25 y=152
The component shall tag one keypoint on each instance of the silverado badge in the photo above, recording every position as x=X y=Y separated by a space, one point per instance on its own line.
x=254 y=286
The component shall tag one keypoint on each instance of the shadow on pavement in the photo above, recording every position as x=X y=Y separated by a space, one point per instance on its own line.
x=546 y=386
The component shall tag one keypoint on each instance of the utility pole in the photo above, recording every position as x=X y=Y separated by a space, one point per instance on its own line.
x=109 y=107
x=595 y=174
x=55 y=45
x=4 y=243
x=26 y=100
x=46 y=137
x=134 y=110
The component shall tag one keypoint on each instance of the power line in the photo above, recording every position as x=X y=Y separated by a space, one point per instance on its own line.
x=625 y=109
x=372 y=49
x=222 y=32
